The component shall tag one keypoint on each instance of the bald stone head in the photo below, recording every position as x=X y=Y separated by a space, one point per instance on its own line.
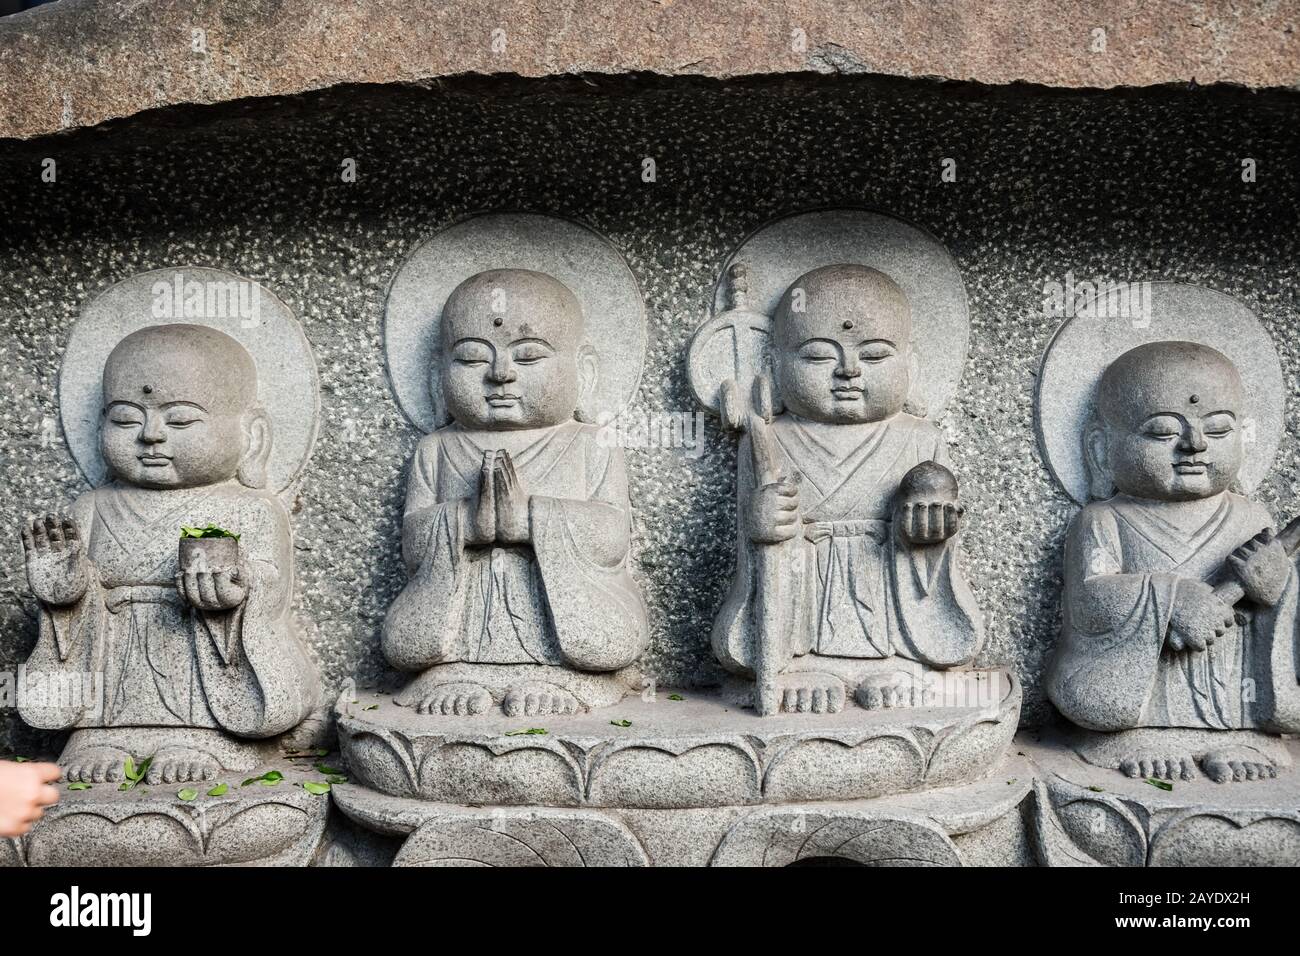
x=1170 y=423
x=843 y=345
x=513 y=351
x=180 y=410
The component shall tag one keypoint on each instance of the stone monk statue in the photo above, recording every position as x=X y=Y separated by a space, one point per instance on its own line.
x=847 y=576
x=198 y=661
x=517 y=523
x=1153 y=565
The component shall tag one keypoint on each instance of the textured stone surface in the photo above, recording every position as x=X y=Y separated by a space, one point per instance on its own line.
x=1087 y=343
x=279 y=825
x=154 y=644
x=80 y=62
x=1180 y=605
x=977 y=824
x=837 y=337
x=1089 y=816
x=244 y=310
x=1046 y=183
x=693 y=752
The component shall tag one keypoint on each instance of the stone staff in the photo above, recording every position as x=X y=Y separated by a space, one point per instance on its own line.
x=769 y=590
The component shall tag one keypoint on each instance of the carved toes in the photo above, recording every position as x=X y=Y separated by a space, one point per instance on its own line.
x=1159 y=767
x=100 y=765
x=817 y=694
x=181 y=766
x=1229 y=767
x=878 y=695
x=539 y=699
x=455 y=700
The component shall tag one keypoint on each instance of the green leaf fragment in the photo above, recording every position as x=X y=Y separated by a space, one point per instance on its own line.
x=311 y=786
x=268 y=779
x=621 y=723
x=1160 y=784
x=676 y=697
x=219 y=790
x=189 y=793
x=336 y=779
x=1096 y=790
x=327 y=770
x=78 y=786
x=530 y=732
x=373 y=707
x=211 y=531
x=22 y=760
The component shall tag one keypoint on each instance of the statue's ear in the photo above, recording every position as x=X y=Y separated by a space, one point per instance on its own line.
x=588 y=377
x=1096 y=461
x=257 y=448
x=914 y=404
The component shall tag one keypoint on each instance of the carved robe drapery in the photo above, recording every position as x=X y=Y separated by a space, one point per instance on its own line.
x=566 y=599
x=162 y=663
x=1123 y=560
x=852 y=587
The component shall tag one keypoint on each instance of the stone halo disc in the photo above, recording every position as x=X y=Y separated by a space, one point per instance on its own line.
x=778 y=253
x=581 y=258
x=1085 y=345
x=287 y=384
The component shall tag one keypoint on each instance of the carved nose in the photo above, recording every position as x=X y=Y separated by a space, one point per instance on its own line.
x=849 y=368
x=153 y=432
x=502 y=372
x=1194 y=441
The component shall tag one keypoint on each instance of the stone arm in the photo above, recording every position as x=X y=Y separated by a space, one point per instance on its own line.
x=70 y=637
x=420 y=627
x=1114 y=630
x=255 y=670
x=581 y=547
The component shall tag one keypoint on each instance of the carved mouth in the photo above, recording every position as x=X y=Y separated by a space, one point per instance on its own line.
x=503 y=400
x=848 y=392
x=1191 y=467
x=154 y=461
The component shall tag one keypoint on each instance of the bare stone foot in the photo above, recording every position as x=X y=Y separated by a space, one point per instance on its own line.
x=1159 y=766
x=892 y=690
x=94 y=765
x=182 y=765
x=1237 y=765
x=538 y=699
x=810 y=692
x=459 y=699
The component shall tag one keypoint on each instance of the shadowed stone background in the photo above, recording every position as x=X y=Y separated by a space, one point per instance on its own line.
x=1120 y=185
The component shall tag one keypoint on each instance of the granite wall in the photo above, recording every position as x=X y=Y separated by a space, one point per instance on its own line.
x=1120 y=185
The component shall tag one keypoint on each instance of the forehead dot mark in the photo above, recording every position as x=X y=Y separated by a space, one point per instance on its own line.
x=148 y=389
x=498 y=321
x=1194 y=399
x=848 y=323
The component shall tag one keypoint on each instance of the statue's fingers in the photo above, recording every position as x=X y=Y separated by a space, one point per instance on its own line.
x=1265 y=536
x=936 y=519
x=70 y=533
x=28 y=541
x=228 y=592
x=950 y=520
x=54 y=532
x=920 y=522
x=1237 y=563
x=207 y=588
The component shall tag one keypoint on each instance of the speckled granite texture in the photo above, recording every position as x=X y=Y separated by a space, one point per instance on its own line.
x=1122 y=186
